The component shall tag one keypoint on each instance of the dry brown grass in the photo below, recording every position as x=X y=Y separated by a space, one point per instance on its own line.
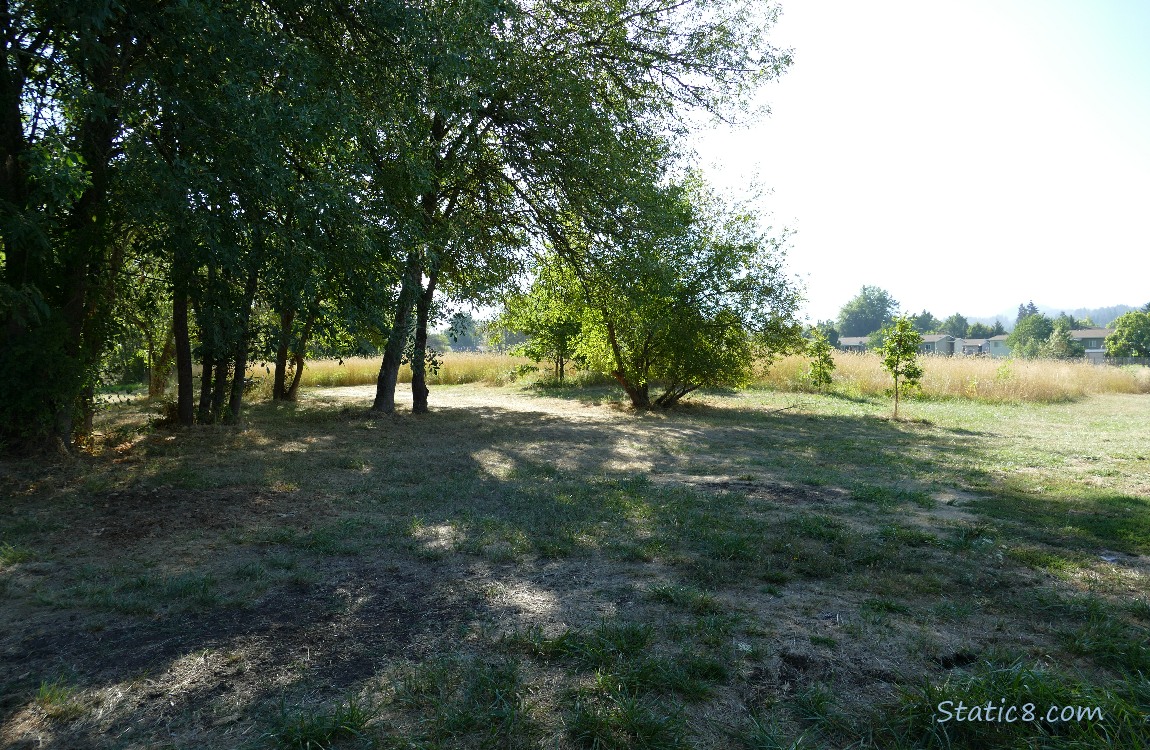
x=456 y=368
x=985 y=379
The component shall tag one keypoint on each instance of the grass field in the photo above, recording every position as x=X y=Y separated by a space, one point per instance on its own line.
x=974 y=378
x=540 y=567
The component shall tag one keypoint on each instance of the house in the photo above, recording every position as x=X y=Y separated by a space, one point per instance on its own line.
x=853 y=343
x=996 y=346
x=975 y=347
x=1094 y=341
x=940 y=343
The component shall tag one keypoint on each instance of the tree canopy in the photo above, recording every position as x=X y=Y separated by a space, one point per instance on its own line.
x=1131 y=336
x=224 y=183
x=1029 y=335
x=869 y=311
x=688 y=293
x=955 y=325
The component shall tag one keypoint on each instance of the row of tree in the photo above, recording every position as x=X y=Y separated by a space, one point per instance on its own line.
x=873 y=309
x=276 y=178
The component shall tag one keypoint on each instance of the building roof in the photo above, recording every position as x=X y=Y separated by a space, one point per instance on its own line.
x=853 y=340
x=974 y=342
x=933 y=337
x=999 y=337
x=1090 y=333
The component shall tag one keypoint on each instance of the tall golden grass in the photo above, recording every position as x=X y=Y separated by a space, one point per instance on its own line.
x=981 y=378
x=455 y=368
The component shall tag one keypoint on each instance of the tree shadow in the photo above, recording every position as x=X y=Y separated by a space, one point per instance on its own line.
x=448 y=507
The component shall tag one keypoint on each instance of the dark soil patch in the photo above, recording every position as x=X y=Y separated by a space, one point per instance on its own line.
x=331 y=636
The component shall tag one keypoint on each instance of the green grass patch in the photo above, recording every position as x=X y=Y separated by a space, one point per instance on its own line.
x=321 y=728
x=927 y=716
x=11 y=555
x=687 y=598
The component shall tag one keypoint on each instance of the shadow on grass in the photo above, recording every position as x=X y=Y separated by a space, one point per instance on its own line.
x=380 y=510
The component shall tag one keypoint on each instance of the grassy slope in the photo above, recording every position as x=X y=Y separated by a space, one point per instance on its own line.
x=514 y=570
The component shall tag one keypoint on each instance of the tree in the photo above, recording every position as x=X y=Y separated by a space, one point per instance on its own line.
x=983 y=331
x=955 y=325
x=550 y=314
x=1025 y=311
x=1131 y=336
x=1071 y=323
x=528 y=112
x=868 y=312
x=688 y=294
x=822 y=360
x=1029 y=335
x=1059 y=345
x=70 y=72
x=899 y=353
x=924 y=322
x=463 y=332
x=827 y=328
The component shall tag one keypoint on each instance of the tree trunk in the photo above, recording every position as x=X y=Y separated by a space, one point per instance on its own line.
x=204 y=415
x=673 y=395
x=640 y=398
x=184 y=405
x=219 y=393
x=419 y=390
x=239 y=378
x=279 y=385
x=637 y=392
x=397 y=340
x=299 y=355
x=293 y=389
x=162 y=368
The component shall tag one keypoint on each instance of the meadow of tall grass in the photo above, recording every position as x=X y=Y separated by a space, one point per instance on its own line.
x=455 y=368
x=980 y=378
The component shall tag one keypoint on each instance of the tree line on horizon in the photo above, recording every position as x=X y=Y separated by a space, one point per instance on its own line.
x=1033 y=334
x=206 y=185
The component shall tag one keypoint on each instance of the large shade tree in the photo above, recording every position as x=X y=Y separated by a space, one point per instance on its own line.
x=869 y=311
x=537 y=110
x=689 y=293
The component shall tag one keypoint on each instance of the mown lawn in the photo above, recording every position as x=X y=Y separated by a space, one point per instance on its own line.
x=542 y=568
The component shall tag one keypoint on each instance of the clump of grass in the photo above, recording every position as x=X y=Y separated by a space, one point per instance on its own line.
x=686 y=597
x=979 y=378
x=608 y=717
x=11 y=555
x=766 y=734
x=1111 y=643
x=58 y=700
x=144 y=594
x=319 y=729
x=591 y=648
x=926 y=717
x=460 y=699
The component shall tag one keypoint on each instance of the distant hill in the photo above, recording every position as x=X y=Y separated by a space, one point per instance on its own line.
x=1102 y=316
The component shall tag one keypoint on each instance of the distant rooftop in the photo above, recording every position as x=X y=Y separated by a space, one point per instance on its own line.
x=1090 y=333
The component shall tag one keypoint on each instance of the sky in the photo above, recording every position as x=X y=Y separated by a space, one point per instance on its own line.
x=966 y=156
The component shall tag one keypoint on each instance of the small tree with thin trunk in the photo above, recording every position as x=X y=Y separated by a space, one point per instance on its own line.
x=822 y=361
x=899 y=352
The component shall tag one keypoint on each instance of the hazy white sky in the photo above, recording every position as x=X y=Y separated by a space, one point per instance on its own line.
x=965 y=155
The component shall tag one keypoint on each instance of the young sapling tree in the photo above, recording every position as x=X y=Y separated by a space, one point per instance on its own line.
x=899 y=352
